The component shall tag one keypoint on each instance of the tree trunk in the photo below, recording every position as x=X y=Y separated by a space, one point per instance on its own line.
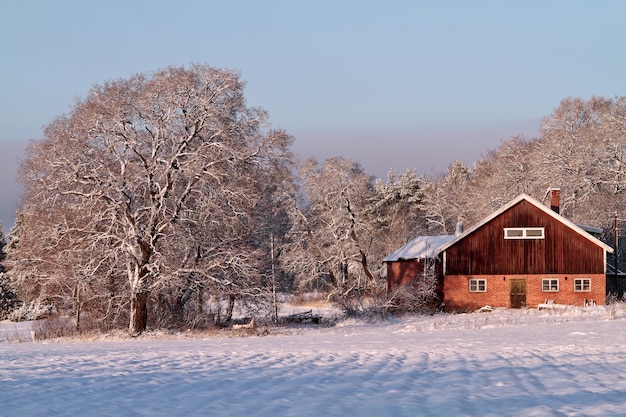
x=231 y=306
x=77 y=307
x=138 y=313
x=366 y=269
x=200 y=307
x=333 y=279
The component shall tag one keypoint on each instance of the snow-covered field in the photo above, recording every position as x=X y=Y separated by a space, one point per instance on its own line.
x=504 y=363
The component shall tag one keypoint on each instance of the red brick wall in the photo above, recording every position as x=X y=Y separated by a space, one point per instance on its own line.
x=458 y=298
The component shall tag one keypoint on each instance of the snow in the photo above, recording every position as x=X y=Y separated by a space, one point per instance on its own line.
x=505 y=363
x=15 y=331
x=420 y=247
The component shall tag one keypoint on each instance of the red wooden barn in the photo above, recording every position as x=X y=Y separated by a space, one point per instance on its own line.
x=519 y=256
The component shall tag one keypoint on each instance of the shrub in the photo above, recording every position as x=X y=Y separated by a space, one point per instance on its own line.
x=34 y=311
x=54 y=327
x=407 y=299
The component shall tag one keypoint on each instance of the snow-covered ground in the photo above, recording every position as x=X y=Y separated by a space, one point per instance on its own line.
x=10 y=331
x=504 y=363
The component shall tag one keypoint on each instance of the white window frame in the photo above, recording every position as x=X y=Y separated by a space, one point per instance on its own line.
x=579 y=284
x=524 y=233
x=547 y=282
x=476 y=285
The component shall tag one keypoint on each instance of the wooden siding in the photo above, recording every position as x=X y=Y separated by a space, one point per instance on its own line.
x=405 y=272
x=402 y=272
x=486 y=252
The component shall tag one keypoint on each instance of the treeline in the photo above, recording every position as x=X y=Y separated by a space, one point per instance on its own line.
x=164 y=201
x=581 y=149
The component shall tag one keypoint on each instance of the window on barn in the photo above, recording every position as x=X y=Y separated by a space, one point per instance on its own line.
x=550 y=285
x=478 y=285
x=582 y=284
x=524 y=233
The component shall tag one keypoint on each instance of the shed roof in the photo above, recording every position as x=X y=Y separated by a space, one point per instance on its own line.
x=422 y=247
x=540 y=206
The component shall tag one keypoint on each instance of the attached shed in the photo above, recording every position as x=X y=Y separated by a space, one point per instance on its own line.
x=520 y=256
x=408 y=263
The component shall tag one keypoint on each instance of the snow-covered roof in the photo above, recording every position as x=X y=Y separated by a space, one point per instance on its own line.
x=590 y=229
x=422 y=247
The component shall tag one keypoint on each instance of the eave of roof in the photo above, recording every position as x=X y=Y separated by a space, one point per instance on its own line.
x=420 y=247
x=590 y=229
x=540 y=206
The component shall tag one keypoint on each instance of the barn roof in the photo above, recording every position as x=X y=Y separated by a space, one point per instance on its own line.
x=541 y=207
x=422 y=247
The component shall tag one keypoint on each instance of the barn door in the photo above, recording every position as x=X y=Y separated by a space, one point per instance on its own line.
x=518 y=293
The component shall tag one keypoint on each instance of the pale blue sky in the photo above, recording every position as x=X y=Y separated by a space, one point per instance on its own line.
x=391 y=84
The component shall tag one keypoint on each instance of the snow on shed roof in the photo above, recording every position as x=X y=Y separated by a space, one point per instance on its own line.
x=422 y=247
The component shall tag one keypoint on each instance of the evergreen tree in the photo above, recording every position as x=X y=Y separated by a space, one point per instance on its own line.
x=8 y=297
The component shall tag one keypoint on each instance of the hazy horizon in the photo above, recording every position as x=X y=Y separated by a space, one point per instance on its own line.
x=428 y=150
x=402 y=85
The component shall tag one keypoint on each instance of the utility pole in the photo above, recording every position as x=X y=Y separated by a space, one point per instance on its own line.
x=615 y=245
x=618 y=293
x=273 y=279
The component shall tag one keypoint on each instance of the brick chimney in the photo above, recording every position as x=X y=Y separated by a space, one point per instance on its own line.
x=459 y=229
x=555 y=199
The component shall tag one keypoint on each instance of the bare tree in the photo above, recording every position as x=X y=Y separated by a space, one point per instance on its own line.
x=571 y=151
x=331 y=237
x=397 y=210
x=580 y=149
x=156 y=177
x=613 y=133
x=500 y=176
x=444 y=199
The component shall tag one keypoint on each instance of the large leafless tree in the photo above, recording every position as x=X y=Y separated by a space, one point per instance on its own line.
x=151 y=187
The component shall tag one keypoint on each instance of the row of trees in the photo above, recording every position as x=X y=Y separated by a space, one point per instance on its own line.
x=163 y=200
x=581 y=149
